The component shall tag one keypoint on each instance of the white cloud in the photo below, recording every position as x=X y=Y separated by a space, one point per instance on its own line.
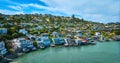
x=83 y=6
x=95 y=10
x=16 y=7
x=10 y=12
x=39 y=6
x=101 y=18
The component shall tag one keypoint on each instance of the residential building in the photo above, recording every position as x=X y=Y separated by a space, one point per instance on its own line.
x=3 y=50
x=23 y=31
x=55 y=34
x=45 y=35
x=3 y=30
x=23 y=43
x=58 y=41
x=43 y=42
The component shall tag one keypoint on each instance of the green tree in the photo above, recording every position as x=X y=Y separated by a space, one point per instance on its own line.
x=35 y=43
x=15 y=35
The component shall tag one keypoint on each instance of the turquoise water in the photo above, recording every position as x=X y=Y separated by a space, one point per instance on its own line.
x=107 y=52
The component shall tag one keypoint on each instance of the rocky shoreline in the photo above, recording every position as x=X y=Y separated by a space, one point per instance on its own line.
x=116 y=38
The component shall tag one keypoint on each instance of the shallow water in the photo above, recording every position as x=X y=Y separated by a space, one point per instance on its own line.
x=106 y=52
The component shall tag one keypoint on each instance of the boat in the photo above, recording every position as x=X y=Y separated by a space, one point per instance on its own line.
x=84 y=42
x=34 y=48
x=52 y=45
x=42 y=47
x=25 y=50
x=92 y=42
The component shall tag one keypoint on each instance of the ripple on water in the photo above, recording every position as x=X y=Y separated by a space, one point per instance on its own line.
x=107 y=52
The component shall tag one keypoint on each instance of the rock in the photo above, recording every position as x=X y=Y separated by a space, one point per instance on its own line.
x=117 y=38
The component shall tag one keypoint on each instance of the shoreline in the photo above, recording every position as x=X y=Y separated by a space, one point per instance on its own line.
x=59 y=46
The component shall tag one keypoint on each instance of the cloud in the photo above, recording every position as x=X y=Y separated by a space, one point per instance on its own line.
x=16 y=7
x=84 y=6
x=93 y=10
x=8 y=12
x=39 y=6
x=101 y=18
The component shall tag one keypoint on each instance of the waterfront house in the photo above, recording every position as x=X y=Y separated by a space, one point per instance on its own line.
x=43 y=42
x=22 y=43
x=78 y=41
x=58 y=41
x=99 y=36
x=3 y=50
x=23 y=31
x=95 y=37
x=3 y=30
x=68 y=41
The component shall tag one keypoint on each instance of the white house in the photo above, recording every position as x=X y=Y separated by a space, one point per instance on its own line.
x=23 y=31
x=97 y=34
x=22 y=43
x=3 y=50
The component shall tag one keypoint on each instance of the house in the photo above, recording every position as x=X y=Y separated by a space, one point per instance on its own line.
x=58 y=41
x=43 y=42
x=23 y=31
x=55 y=34
x=39 y=27
x=95 y=28
x=3 y=50
x=97 y=34
x=78 y=42
x=45 y=35
x=26 y=24
x=22 y=43
x=32 y=37
x=3 y=30
x=1 y=24
x=79 y=34
x=68 y=41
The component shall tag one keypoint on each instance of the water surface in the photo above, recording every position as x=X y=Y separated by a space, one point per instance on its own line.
x=107 y=52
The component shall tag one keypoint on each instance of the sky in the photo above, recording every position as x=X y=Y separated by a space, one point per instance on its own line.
x=103 y=11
